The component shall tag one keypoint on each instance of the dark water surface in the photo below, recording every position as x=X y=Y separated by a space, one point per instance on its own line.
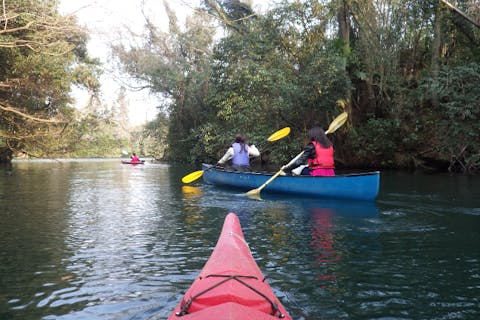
x=101 y=240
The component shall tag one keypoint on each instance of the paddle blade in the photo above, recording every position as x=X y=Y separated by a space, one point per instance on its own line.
x=282 y=133
x=192 y=176
x=254 y=193
x=253 y=196
x=337 y=123
x=125 y=153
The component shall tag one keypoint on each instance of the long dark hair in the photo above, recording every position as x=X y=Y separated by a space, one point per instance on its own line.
x=317 y=134
x=239 y=138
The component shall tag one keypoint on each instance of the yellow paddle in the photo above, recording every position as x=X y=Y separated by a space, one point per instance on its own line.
x=336 y=123
x=282 y=133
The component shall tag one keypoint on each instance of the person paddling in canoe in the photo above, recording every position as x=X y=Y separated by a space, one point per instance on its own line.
x=319 y=155
x=240 y=153
x=134 y=158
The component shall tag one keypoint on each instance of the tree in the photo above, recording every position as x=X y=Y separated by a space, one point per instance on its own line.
x=173 y=65
x=397 y=51
x=120 y=113
x=258 y=78
x=389 y=63
x=42 y=54
x=281 y=70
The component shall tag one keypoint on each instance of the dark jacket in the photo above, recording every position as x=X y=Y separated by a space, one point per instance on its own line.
x=308 y=153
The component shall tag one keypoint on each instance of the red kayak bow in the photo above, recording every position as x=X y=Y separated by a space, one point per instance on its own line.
x=231 y=285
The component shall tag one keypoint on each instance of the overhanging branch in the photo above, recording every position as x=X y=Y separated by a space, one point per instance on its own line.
x=463 y=15
x=28 y=116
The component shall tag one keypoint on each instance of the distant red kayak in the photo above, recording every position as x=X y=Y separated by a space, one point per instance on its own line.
x=133 y=162
x=231 y=285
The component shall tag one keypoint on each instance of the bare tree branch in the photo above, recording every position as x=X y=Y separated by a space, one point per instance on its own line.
x=463 y=15
x=28 y=116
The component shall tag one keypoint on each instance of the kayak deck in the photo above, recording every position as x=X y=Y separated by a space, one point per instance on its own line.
x=133 y=162
x=231 y=285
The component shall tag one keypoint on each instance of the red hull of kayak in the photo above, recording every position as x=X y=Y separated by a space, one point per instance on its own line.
x=231 y=285
x=131 y=162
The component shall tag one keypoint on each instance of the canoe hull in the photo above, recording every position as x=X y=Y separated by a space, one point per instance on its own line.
x=231 y=285
x=364 y=186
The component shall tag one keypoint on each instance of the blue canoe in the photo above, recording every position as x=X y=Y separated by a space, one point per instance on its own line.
x=356 y=186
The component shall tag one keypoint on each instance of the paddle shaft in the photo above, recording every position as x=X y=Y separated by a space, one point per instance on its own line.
x=278 y=173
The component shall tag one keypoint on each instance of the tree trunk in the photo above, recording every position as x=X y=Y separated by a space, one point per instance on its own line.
x=6 y=155
x=436 y=47
x=344 y=34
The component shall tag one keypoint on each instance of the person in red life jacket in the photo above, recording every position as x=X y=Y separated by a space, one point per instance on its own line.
x=134 y=158
x=240 y=153
x=318 y=154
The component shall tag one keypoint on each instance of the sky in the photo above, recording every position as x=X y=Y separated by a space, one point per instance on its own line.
x=104 y=18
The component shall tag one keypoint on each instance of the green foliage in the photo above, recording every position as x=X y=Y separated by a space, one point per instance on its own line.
x=275 y=76
x=84 y=137
x=176 y=66
x=151 y=139
x=375 y=143
x=289 y=67
x=41 y=53
x=457 y=128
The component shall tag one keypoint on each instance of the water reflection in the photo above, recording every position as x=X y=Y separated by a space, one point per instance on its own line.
x=32 y=233
x=324 y=242
x=331 y=222
x=113 y=237
x=191 y=192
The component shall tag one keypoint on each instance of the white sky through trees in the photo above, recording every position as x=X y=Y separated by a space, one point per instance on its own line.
x=105 y=20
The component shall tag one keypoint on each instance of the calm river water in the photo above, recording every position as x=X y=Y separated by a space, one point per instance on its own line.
x=99 y=240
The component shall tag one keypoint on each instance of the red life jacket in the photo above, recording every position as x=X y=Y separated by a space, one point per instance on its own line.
x=324 y=158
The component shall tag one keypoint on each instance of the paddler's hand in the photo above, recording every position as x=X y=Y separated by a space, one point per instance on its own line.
x=286 y=169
